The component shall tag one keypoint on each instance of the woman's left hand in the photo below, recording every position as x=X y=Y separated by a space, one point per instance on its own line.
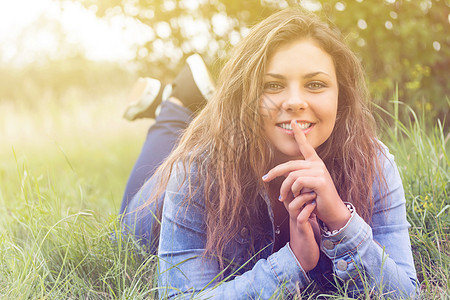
x=309 y=175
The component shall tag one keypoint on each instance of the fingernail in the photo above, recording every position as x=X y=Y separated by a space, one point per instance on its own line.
x=279 y=198
x=313 y=202
x=265 y=176
x=312 y=193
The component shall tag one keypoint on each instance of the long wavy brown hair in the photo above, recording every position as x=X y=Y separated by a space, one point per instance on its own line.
x=228 y=147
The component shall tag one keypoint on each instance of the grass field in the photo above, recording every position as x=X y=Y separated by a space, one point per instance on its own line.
x=63 y=169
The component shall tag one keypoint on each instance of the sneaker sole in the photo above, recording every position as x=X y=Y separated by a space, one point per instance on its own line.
x=201 y=75
x=165 y=95
x=141 y=97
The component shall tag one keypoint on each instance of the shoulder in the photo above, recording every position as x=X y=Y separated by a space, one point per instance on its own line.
x=185 y=184
x=386 y=161
x=387 y=188
x=184 y=201
x=180 y=171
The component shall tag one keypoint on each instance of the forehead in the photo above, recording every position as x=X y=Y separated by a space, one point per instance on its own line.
x=300 y=54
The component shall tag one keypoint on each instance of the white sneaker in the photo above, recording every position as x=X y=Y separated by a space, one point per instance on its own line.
x=144 y=98
x=193 y=86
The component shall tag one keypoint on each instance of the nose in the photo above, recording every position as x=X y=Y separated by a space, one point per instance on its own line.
x=295 y=101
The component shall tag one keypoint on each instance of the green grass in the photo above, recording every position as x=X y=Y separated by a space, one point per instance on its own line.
x=421 y=154
x=62 y=174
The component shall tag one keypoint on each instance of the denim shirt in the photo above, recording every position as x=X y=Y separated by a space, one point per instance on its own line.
x=358 y=257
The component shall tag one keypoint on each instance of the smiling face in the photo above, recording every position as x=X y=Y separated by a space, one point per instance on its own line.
x=299 y=84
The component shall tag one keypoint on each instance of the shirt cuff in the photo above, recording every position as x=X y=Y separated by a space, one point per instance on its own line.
x=324 y=228
x=288 y=270
x=348 y=239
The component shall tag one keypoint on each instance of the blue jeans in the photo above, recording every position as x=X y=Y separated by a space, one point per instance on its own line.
x=161 y=138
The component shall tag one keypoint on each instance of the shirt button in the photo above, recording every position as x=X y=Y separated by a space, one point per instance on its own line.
x=244 y=232
x=328 y=244
x=342 y=265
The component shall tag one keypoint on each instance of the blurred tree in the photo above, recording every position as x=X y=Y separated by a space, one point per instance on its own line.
x=47 y=65
x=401 y=42
x=53 y=79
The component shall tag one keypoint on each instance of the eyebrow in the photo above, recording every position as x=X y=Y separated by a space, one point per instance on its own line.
x=306 y=76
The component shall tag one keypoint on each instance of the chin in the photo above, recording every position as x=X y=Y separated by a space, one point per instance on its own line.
x=287 y=154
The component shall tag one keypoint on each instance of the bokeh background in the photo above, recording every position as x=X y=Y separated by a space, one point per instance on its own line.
x=50 y=46
x=65 y=151
x=63 y=56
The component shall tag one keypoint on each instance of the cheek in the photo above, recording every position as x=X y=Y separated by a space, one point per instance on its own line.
x=269 y=106
x=332 y=113
x=265 y=116
x=330 y=110
x=266 y=126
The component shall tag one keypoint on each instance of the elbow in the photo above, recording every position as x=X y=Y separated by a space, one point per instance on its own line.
x=414 y=289
x=410 y=290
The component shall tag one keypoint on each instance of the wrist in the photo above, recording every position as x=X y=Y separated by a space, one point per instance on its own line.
x=304 y=247
x=342 y=217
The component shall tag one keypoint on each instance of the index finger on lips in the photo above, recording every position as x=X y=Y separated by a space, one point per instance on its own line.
x=306 y=149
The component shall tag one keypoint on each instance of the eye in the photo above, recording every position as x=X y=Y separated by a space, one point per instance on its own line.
x=316 y=85
x=272 y=86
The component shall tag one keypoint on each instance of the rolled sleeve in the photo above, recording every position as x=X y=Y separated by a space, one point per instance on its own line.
x=288 y=270
x=342 y=247
x=378 y=256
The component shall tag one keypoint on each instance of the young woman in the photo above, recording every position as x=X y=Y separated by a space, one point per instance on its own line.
x=279 y=182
